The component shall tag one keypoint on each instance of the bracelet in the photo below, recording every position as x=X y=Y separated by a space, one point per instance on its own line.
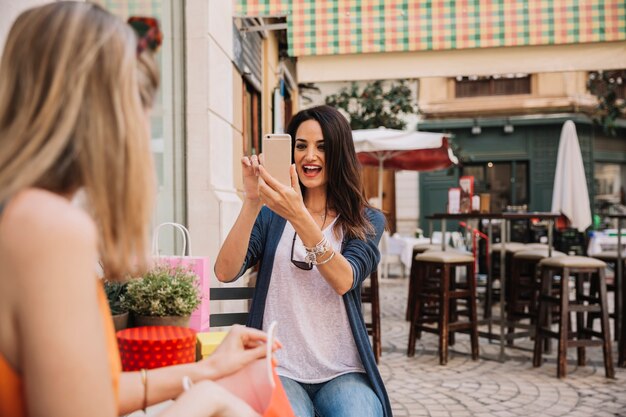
x=332 y=255
x=318 y=250
x=144 y=382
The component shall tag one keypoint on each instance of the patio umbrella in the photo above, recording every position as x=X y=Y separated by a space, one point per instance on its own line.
x=570 y=196
x=399 y=149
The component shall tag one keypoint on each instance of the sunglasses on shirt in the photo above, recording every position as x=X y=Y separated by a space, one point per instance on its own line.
x=299 y=264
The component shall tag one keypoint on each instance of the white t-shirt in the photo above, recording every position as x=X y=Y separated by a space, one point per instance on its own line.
x=312 y=321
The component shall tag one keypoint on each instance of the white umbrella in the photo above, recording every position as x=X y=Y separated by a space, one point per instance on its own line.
x=570 y=196
x=399 y=149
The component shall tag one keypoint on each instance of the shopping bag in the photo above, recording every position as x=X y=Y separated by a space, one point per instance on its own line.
x=259 y=385
x=199 y=265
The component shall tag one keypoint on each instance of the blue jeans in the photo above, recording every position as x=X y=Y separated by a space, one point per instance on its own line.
x=348 y=395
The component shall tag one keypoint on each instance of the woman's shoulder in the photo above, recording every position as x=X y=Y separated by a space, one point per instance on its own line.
x=34 y=216
x=375 y=216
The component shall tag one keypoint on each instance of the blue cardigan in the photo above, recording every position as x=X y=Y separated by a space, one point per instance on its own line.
x=363 y=256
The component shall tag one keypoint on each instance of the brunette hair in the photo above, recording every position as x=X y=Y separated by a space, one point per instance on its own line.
x=71 y=117
x=344 y=189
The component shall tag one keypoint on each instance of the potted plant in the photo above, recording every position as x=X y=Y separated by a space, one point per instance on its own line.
x=115 y=291
x=165 y=295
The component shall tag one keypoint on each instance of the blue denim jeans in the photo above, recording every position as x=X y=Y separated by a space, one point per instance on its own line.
x=348 y=395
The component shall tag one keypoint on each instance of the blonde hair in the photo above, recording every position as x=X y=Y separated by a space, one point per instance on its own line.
x=71 y=117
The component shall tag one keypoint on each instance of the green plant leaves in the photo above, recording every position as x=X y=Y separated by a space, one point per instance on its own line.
x=376 y=105
x=163 y=291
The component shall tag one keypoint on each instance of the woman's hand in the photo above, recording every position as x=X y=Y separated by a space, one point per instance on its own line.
x=241 y=346
x=250 y=168
x=208 y=399
x=282 y=199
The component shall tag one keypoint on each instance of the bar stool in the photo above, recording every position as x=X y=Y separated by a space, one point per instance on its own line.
x=491 y=292
x=417 y=249
x=436 y=283
x=532 y=246
x=369 y=294
x=524 y=288
x=610 y=257
x=579 y=266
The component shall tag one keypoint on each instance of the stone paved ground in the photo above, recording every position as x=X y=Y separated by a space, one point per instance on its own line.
x=419 y=386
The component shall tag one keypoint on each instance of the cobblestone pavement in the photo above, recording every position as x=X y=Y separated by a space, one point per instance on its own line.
x=419 y=386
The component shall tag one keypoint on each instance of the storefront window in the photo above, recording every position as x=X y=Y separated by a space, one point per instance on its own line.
x=609 y=184
x=166 y=129
x=506 y=182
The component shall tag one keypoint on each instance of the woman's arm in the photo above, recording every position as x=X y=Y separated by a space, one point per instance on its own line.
x=287 y=202
x=233 y=252
x=241 y=346
x=50 y=253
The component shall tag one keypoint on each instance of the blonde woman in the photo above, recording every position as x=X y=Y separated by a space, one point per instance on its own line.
x=71 y=118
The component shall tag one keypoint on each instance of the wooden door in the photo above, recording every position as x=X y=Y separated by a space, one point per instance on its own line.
x=370 y=181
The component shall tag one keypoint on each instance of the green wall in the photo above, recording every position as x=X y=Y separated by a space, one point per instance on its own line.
x=533 y=140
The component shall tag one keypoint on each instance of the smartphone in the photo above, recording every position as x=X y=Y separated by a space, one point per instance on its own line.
x=277 y=156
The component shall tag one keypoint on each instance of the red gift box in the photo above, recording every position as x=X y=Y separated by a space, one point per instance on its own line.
x=156 y=346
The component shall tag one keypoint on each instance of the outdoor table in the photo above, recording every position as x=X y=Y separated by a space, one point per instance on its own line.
x=621 y=344
x=406 y=249
x=506 y=218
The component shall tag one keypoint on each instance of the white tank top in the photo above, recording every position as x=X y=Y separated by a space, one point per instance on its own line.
x=312 y=321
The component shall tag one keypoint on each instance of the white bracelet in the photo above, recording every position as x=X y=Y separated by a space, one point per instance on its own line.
x=320 y=248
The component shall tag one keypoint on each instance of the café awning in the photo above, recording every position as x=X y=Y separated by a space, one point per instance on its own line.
x=324 y=27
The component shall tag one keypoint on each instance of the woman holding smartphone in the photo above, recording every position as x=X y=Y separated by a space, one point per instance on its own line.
x=316 y=241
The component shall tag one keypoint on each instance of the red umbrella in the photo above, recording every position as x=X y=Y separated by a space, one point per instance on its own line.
x=398 y=149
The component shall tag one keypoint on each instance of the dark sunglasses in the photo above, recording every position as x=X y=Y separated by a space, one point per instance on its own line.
x=299 y=264
x=148 y=33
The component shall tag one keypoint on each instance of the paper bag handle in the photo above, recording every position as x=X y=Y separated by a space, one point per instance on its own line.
x=271 y=332
x=182 y=229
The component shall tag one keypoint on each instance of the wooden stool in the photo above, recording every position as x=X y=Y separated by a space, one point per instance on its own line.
x=579 y=266
x=370 y=295
x=610 y=257
x=491 y=293
x=524 y=287
x=436 y=283
x=417 y=249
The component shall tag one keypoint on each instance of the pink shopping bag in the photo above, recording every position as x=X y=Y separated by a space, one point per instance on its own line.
x=197 y=264
x=259 y=386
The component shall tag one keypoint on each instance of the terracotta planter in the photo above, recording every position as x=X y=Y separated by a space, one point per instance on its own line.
x=180 y=321
x=120 y=321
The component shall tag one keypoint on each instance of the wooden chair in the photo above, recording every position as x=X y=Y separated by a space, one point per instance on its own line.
x=369 y=294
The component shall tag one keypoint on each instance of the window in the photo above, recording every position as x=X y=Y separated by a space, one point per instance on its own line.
x=506 y=182
x=251 y=119
x=495 y=85
x=167 y=131
x=609 y=182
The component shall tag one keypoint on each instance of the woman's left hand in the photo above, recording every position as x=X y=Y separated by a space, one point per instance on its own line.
x=284 y=200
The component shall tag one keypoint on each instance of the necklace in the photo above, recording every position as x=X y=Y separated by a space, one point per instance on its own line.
x=321 y=215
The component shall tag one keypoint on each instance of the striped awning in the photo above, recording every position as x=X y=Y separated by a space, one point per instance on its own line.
x=321 y=27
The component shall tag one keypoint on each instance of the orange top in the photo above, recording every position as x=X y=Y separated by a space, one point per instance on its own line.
x=12 y=402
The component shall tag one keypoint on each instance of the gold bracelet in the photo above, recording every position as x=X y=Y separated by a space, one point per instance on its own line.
x=144 y=382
